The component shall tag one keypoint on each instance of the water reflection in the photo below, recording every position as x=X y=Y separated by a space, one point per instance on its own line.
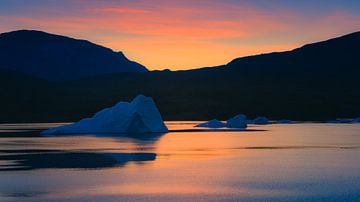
x=297 y=162
x=34 y=159
x=28 y=150
x=148 y=138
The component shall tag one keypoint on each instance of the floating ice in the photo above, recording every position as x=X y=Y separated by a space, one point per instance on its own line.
x=284 y=121
x=136 y=117
x=212 y=124
x=250 y=121
x=261 y=120
x=342 y=120
x=238 y=121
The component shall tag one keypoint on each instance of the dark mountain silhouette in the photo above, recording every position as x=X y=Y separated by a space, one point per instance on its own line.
x=318 y=81
x=55 y=57
x=334 y=55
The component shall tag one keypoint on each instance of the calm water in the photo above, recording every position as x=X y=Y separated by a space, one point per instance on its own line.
x=299 y=162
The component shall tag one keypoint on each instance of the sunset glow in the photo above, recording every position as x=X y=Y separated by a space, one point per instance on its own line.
x=186 y=34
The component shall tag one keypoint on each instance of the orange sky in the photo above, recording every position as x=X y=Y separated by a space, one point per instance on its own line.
x=186 y=34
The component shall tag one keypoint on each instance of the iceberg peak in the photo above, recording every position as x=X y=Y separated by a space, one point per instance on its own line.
x=140 y=98
x=238 y=121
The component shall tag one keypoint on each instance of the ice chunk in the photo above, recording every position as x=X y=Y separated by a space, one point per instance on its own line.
x=342 y=120
x=250 y=121
x=138 y=116
x=283 y=121
x=212 y=124
x=261 y=120
x=238 y=121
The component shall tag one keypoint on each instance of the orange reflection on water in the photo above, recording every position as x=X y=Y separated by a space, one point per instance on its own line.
x=276 y=161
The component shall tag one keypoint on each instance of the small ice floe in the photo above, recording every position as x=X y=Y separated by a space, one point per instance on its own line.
x=342 y=120
x=261 y=121
x=283 y=121
x=239 y=121
x=250 y=121
x=212 y=124
x=137 y=117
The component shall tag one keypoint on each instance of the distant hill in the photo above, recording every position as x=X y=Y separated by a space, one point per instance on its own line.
x=334 y=55
x=318 y=81
x=55 y=57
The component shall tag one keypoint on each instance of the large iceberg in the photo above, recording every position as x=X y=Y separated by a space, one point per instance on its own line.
x=238 y=121
x=139 y=116
x=212 y=124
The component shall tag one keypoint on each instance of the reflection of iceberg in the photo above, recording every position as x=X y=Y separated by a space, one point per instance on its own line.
x=261 y=120
x=212 y=124
x=238 y=121
x=28 y=160
x=139 y=116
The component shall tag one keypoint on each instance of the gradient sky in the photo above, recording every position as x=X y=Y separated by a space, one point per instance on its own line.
x=184 y=34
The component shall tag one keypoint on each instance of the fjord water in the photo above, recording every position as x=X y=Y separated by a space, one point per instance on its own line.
x=283 y=162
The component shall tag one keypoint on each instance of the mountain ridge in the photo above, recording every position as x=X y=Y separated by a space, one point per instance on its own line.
x=308 y=85
x=57 y=57
x=308 y=45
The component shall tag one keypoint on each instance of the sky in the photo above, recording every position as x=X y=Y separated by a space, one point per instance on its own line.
x=186 y=34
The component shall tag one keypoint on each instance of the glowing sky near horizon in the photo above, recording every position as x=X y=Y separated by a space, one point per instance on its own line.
x=184 y=34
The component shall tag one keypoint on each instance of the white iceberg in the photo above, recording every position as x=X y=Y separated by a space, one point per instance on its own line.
x=261 y=120
x=212 y=124
x=139 y=116
x=238 y=121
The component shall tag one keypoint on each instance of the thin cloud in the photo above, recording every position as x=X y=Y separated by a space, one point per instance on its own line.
x=119 y=10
